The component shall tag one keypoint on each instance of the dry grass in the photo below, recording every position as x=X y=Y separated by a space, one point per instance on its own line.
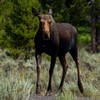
x=18 y=78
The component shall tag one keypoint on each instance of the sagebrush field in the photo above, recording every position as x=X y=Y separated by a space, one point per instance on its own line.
x=18 y=77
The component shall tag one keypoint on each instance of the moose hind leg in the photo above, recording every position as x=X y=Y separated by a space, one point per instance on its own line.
x=64 y=67
x=75 y=58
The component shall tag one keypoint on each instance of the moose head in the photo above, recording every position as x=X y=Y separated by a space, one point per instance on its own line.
x=45 y=21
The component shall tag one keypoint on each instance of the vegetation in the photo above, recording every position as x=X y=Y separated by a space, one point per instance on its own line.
x=18 y=27
x=18 y=78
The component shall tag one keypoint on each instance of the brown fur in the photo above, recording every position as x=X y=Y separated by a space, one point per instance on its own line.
x=45 y=21
x=55 y=39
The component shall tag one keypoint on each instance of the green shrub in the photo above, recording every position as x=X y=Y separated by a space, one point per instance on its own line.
x=84 y=39
x=18 y=26
x=84 y=36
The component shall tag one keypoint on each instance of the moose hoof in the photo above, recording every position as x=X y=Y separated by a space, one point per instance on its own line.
x=48 y=93
x=37 y=92
x=80 y=87
x=59 y=91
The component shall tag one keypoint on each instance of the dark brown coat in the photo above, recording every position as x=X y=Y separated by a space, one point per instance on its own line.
x=62 y=38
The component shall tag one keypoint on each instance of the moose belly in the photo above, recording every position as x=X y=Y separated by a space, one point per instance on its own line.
x=65 y=47
x=49 y=49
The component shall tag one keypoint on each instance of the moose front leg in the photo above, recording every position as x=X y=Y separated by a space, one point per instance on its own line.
x=64 y=67
x=38 y=62
x=49 y=89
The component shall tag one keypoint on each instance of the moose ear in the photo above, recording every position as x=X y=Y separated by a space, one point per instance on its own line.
x=50 y=12
x=35 y=12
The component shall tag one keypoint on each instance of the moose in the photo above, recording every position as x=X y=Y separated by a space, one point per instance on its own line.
x=55 y=39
